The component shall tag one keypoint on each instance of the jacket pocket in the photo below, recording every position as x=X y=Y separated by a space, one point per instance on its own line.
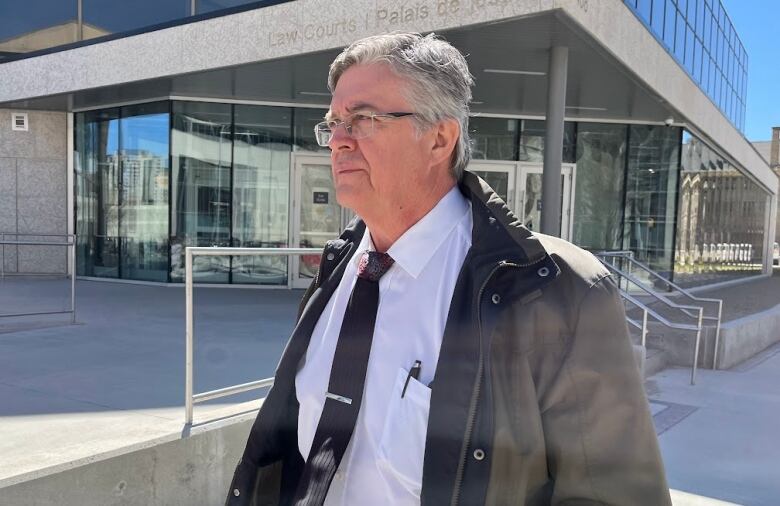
x=402 y=446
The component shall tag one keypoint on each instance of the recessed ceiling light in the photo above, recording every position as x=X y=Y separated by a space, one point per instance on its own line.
x=314 y=93
x=581 y=108
x=515 y=72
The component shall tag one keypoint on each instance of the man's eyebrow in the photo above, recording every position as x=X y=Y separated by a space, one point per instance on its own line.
x=358 y=106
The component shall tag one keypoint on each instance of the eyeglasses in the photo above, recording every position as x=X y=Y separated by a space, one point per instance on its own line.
x=358 y=126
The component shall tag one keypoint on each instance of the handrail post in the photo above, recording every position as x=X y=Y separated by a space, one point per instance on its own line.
x=717 y=336
x=696 y=348
x=73 y=281
x=644 y=328
x=188 y=337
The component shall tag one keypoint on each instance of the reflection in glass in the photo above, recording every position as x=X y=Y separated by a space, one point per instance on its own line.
x=32 y=25
x=97 y=193
x=720 y=227
x=200 y=199
x=303 y=130
x=203 y=6
x=532 y=141
x=499 y=181
x=494 y=138
x=598 y=199
x=261 y=181
x=143 y=194
x=320 y=214
x=651 y=192
x=102 y=17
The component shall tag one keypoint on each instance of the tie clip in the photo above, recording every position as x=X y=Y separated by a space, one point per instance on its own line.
x=340 y=398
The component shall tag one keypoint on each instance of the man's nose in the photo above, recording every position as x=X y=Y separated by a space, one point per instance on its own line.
x=340 y=139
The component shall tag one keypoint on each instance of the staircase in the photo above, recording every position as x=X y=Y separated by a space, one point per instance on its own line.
x=669 y=331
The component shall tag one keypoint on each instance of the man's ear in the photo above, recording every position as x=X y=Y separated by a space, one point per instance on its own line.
x=447 y=135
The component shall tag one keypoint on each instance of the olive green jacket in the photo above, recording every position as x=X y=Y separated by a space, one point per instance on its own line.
x=536 y=400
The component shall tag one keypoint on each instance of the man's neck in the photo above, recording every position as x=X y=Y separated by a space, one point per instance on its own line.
x=388 y=227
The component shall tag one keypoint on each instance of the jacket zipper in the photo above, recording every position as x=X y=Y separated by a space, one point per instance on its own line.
x=478 y=382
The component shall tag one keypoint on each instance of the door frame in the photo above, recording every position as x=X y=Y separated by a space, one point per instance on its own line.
x=568 y=171
x=509 y=167
x=296 y=160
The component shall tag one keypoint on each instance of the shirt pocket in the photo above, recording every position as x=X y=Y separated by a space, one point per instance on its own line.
x=402 y=446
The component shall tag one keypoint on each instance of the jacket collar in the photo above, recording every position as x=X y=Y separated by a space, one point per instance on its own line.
x=493 y=210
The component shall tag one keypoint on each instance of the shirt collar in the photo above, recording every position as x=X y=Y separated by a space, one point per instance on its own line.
x=415 y=248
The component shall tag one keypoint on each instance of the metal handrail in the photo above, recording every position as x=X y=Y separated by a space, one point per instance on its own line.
x=629 y=255
x=665 y=321
x=191 y=399
x=71 y=243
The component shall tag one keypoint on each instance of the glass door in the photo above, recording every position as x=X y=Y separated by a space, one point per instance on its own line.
x=530 y=196
x=317 y=217
x=500 y=176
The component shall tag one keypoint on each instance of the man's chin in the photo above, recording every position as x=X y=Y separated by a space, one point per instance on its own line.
x=350 y=196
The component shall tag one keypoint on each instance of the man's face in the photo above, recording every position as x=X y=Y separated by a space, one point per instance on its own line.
x=391 y=167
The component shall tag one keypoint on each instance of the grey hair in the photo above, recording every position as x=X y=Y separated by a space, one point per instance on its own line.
x=439 y=81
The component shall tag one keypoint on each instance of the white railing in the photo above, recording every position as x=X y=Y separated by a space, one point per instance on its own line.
x=70 y=243
x=191 y=399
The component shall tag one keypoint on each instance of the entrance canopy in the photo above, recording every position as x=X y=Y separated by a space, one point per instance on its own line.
x=509 y=60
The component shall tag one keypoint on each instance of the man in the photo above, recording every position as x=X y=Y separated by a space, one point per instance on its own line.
x=444 y=354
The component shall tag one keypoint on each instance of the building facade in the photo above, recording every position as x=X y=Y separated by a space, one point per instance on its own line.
x=190 y=122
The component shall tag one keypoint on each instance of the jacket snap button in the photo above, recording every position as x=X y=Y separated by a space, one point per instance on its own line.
x=496 y=298
x=236 y=492
x=330 y=256
x=543 y=272
x=479 y=454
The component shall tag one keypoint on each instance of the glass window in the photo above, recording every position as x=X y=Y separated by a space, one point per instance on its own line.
x=200 y=192
x=532 y=141
x=203 y=6
x=689 y=49
x=651 y=195
x=644 y=8
x=720 y=219
x=669 y=23
x=658 y=17
x=700 y=19
x=143 y=192
x=598 y=199
x=96 y=163
x=494 y=138
x=261 y=191
x=121 y=163
x=31 y=25
x=679 y=40
x=303 y=130
x=102 y=17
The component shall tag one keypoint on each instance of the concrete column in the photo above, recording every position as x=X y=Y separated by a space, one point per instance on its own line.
x=553 y=141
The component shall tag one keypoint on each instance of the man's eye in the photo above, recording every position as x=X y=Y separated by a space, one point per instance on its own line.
x=360 y=117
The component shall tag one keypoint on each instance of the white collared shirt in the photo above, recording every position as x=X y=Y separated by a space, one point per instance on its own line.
x=383 y=462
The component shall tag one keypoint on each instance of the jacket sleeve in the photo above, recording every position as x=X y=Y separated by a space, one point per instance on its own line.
x=600 y=439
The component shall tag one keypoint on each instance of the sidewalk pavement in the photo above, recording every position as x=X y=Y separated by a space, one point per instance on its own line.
x=70 y=393
x=720 y=438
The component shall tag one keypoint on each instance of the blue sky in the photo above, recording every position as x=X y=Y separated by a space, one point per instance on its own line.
x=757 y=23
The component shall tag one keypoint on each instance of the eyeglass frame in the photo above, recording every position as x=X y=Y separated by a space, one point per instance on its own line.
x=332 y=125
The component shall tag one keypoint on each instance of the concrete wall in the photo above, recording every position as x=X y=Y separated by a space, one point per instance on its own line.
x=194 y=470
x=33 y=190
x=741 y=339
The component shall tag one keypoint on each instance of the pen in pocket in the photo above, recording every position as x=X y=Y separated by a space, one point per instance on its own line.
x=414 y=372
